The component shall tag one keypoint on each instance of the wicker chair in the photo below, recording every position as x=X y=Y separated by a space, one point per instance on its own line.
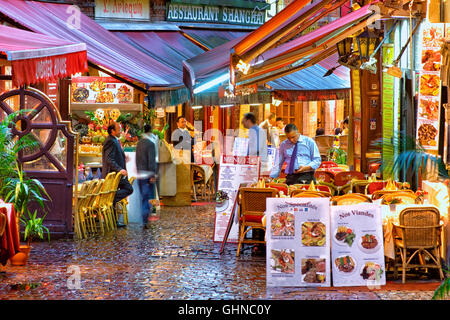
x=342 y=180
x=101 y=205
x=379 y=193
x=252 y=209
x=198 y=178
x=349 y=199
x=419 y=233
x=92 y=205
x=121 y=206
x=404 y=196
x=281 y=187
x=378 y=186
x=328 y=164
x=323 y=176
x=359 y=186
x=319 y=187
x=81 y=218
x=112 y=213
x=309 y=194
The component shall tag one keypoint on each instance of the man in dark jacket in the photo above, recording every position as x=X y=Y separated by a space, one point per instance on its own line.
x=114 y=160
x=147 y=170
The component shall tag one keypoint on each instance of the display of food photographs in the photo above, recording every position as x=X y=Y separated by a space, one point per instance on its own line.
x=427 y=132
x=313 y=234
x=283 y=261
x=429 y=108
x=282 y=224
x=314 y=270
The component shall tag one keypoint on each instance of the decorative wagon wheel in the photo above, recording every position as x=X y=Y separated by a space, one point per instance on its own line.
x=38 y=113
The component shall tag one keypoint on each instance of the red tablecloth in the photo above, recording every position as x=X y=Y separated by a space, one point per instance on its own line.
x=9 y=242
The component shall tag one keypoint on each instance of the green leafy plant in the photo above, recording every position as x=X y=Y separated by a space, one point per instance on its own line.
x=22 y=191
x=160 y=134
x=337 y=155
x=34 y=227
x=443 y=291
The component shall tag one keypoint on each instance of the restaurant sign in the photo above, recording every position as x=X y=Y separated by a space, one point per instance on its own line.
x=215 y=14
x=123 y=9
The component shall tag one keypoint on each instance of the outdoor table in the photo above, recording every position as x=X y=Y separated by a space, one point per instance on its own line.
x=9 y=242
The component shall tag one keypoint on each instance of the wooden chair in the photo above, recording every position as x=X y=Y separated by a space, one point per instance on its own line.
x=198 y=178
x=379 y=193
x=419 y=233
x=252 y=209
x=309 y=194
x=404 y=197
x=349 y=199
x=280 y=187
x=323 y=176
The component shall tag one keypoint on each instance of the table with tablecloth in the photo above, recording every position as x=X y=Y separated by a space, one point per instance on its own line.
x=9 y=241
x=390 y=214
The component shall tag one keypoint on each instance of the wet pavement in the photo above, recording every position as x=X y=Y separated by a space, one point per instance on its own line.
x=174 y=259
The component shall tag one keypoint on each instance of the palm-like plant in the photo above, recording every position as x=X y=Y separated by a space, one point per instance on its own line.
x=34 y=227
x=414 y=158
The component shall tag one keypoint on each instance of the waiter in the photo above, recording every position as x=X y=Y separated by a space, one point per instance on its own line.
x=301 y=155
x=182 y=140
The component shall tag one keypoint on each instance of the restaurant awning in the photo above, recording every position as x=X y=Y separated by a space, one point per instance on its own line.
x=211 y=38
x=36 y=57
x=285 y=58
x=103 y=47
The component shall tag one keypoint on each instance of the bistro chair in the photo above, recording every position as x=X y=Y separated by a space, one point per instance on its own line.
x=198 y=178
x=281 y=187
x=122 y=205
x=92 y=205
x=379 y=193
x=80 y=219
x=101 y=205
x=309 y=194
x=400 y=197
x=349 y=199
x=379 y=185
x=317 y=186
x=252 y=209
x=359 y=186
x=328 y=164
x=342 y=180
x=323 y=176
x=112 y=213
x=419 y=233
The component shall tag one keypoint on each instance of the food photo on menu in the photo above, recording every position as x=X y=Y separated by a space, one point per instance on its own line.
x=429 y=85
x=345 y=264
x=313 y=234
x=431 y=60
x=313 y=270
x=429 y=108
x=427 y=133
x=344 y=236
x=282 y=224
x=283 y=261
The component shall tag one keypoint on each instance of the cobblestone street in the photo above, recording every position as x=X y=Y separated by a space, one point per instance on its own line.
x=174 y=259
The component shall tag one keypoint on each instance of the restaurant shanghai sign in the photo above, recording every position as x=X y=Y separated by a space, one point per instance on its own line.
x=216 y=14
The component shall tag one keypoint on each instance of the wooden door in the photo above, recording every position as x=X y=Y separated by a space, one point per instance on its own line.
x=53 y=161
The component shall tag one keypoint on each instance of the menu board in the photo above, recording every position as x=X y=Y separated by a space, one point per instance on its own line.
x=298 y=242
x=233 y=172
x=357 y=251
x=430 y=86
x=100 y=90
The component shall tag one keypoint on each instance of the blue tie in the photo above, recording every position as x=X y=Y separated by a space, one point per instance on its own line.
x=293 y=157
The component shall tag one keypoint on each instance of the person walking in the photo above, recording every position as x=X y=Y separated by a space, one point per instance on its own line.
x=114 y=160
x=257 y=137
x=301 y=155
x=147 y=169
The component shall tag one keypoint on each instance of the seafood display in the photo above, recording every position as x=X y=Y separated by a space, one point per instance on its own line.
x=80 y=95
x=345 y=235
x=282 y=224
x=313 y=270
x=369 y=241
x=100 y=90
x=345 y=264
x=283 y=261
x=313 y=234
x=371 y=271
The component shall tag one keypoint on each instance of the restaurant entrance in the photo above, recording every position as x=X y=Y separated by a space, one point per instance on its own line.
x=53 y=161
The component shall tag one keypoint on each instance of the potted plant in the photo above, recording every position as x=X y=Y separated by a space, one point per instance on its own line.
x=34 y=228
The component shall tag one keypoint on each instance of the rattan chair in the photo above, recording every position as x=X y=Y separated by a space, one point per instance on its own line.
x=379 y=193
x=112 y=212
x=419 y=233
x=281 y=187
x=102 y=207
x=299 y=193
x=359 y=186
x=343 y=180
x=323 y=176
x=122 y=205
x=252 y=209
x=349 y=199
x=402 y=197
x=319 y=187
x=81 y=218
x=198 y=178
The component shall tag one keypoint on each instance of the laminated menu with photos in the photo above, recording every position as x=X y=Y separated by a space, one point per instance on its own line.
x=357 y=250
x=298 y=242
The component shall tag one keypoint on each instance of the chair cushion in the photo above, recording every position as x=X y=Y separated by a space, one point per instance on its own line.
x=253 y=218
